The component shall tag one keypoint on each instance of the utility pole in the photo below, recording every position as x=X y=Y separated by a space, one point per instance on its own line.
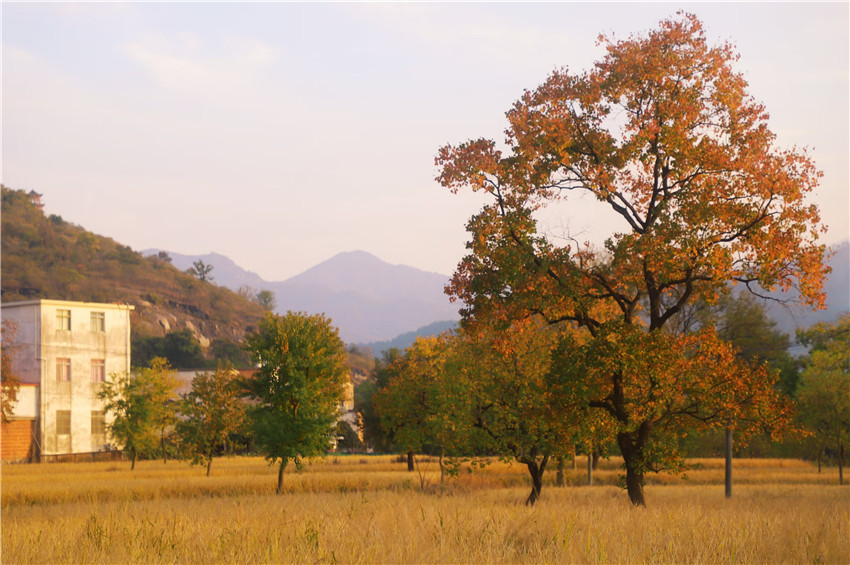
x=728 y=461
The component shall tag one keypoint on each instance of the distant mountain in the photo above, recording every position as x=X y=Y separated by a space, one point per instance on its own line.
x=790 y=317
x=367 y=299
x=403 y=341
x=378 y=304
x=225 y=272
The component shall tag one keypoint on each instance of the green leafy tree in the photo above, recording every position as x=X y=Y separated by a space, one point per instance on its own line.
x=225 y=351
x=662 y=133
x=181 y=348
x=211 y=412
x=297 y=388
x=201 y=270
x=823 y=397
x=424 y=407
x=346 y=438
x=374 y=434
x=267 y=300
x=142 y=407
x=516 y=396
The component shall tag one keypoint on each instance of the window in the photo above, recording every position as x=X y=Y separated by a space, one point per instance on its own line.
x=98 y=423
x=98 y=370
x=98 y=322
x=63 y=422
x=63 y=370
x=63 y=320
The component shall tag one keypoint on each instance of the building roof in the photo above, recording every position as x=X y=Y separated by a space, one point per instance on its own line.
x=69 y=303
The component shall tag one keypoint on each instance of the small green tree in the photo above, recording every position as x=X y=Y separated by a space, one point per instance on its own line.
x=181 y=348
x=212 y=411
x=201 y=270
x=364 y=398
x=225 y=351
x=267 y=300
x=346 y=438
x=517 y=398
x=823 y=397
x=141 y=406
x=297 y=387
x=424 y=407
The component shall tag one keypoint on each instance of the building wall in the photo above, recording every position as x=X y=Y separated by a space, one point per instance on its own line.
x=347 y=395
x=66 y=407
x=17 y=442
x=26 y=406
x=26 y=319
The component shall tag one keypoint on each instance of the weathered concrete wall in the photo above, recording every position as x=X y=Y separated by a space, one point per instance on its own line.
x=26 y=320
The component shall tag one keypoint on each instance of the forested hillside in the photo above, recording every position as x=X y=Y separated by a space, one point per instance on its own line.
x=47 y=257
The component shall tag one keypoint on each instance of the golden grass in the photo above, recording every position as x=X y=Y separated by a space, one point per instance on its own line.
x=360 y=509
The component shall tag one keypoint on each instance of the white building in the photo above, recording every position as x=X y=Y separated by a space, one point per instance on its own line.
x=65 y=350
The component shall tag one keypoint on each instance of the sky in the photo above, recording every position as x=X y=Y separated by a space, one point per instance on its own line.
x=281 y=134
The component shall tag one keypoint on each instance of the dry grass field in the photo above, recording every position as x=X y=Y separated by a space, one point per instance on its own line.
x=369 y=509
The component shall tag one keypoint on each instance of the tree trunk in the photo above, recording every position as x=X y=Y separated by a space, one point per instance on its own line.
x=209 y=464
x=575 y=453
x=728 y=474
x=280 y=477
x=133 y=461
x=632 y=445
x=560 y=480
x=536 y=472
x=589 y=469
x=410 y=466
x=840 y=463
x=820 y=459
x=634 y=486
x=442 y=471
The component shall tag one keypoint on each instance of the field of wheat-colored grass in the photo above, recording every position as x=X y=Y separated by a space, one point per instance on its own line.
x=369 y=509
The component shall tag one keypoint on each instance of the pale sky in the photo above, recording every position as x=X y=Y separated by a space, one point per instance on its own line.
x=280 y=134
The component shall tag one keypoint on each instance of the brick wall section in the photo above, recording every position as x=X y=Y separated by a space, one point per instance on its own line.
x=16 y=440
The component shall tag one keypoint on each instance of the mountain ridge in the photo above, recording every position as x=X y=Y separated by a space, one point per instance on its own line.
x=368 y=299
x=319 y=290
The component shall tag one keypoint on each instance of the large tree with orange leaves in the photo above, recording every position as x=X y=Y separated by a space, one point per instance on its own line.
x=664 y=134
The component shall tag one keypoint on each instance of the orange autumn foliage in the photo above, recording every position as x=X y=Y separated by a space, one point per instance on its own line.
x=663 y=132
